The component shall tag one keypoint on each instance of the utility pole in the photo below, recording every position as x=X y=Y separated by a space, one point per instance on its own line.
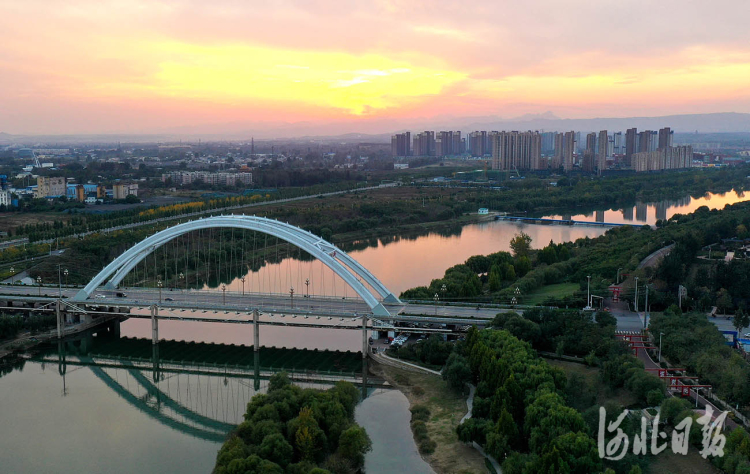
x=59 y=282
x=636 y=294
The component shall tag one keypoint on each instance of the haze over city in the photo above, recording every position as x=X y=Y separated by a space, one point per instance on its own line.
x=372 y=67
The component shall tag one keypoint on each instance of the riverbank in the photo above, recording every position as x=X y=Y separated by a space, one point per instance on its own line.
x=27 y=340
x=447 y=408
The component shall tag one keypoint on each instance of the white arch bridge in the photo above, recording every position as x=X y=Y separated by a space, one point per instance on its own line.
x=348 y=269
x=377 y=308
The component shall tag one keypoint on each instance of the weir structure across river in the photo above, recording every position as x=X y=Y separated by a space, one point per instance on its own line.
x=375 y=308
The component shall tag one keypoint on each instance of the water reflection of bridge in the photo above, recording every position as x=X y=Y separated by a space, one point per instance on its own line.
x=200 y=389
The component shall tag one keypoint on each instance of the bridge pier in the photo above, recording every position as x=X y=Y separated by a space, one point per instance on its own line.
x=256 y=374
x=365 y=345
x=155 y=362
x=58 y=318
x=256 y=330
x=154 y=324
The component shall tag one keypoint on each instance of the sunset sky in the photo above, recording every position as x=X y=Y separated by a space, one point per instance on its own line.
x=135 y=66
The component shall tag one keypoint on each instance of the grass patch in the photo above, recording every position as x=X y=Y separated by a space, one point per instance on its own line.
x=558 y=290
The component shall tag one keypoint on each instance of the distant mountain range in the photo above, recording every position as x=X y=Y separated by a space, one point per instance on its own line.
x=381 y=130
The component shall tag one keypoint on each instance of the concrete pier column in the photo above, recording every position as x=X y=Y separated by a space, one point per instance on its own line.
x=256 y=366
x=256 y=330
x=156 y=370
x=365 y=368
x=58 y=318
x=365 y=345
x=154 y=324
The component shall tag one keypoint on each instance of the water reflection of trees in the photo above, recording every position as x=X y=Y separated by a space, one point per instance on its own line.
x=453 y=230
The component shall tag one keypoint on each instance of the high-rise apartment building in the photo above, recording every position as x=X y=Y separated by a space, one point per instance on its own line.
x=569 y=146
x=424 y=144
x=448 y=143
x=591 y=143
x=557 y=157
x=618 y=145
x=673 y=157
x=478 y=144
x=401 y=144
x=601 y=152
x=665 y=137
x=517 y=151
x=630 y=144
x=48 y=187
x=647 y=141
x=548 y=142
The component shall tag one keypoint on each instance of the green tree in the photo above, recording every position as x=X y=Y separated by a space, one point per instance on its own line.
x=740 y=321
x=494 y=281
x=353 y=444
x=276 y=449
x=520 y=244
x=457 y=371
x=670 y=408
x=723 y=300
x=522 y=265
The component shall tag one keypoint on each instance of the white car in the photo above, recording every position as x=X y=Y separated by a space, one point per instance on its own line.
x=100 y=296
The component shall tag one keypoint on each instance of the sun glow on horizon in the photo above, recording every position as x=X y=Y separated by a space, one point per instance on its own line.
x=240 y=73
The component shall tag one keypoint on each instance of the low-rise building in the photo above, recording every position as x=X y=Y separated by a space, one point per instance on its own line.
x=181 y=178
x=50 y=187
x=121 y=191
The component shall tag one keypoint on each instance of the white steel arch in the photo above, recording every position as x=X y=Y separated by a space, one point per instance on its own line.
x=334 y=258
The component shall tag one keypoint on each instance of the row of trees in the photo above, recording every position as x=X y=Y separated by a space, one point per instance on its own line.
x=297 y=431
x=520 y=415
x=11 y=325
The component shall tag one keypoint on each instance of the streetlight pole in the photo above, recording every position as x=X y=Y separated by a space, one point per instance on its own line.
x=159 y=284
x=39 y=282
x=436 y=298
x=636 y=294
x=182 y=277
x=59 y=282
x=243 y=285
x=307 y=287
x=645 y=309
x=291 y=296
x=588 y=291
x=65 y=272
x=660 y=335
x=12 y=275
x=224 y=293
x=443 y=289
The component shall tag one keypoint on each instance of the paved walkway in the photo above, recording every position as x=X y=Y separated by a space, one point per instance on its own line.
x=387 y=360
x=649 y=363
x=470 y=406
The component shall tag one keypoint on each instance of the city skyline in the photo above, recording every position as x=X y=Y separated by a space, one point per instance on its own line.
x=133 y=67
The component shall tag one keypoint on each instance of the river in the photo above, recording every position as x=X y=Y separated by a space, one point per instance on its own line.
x=84 y=422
